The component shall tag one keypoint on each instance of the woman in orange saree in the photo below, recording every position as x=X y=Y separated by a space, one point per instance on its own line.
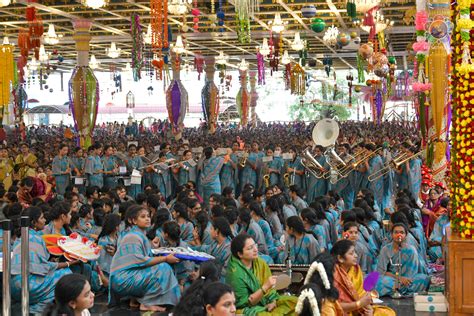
x=348 y=279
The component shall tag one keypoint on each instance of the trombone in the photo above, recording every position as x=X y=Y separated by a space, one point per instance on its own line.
x=359 y=158
x=396 y=163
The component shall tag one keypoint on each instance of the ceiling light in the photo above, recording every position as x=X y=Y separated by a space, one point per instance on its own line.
x=148 y=36
x=297 y=43
x=113 y=51
x=93 y=63
x=243 y=65
x=278 y=25
x=43 y=56
x=178 y=47
x=33 y=64
x=95 y=4
x=264 y=49
x=221 y=59
x=285 y=59
x=365 y=5
x=178 y=7
x=4 y=3
x=51 y=37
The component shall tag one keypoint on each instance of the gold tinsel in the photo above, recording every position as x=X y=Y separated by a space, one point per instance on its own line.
x=438 y=68
x=6 y=76
x=298 y=80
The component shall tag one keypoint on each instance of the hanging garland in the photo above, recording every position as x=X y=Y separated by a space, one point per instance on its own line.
x=6 y=77
x=245 y=9
x=261 y=68
x=462 y=185
x=243 y=99
x=198 y=64
x=137 y=43
x=159 y=25
x=253 y=99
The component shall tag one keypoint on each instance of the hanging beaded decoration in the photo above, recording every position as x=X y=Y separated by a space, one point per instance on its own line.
x=137 y=51
x=159 y=29
x=198 y=64
x=261 y=68
x=245 y=9
x=195 y=12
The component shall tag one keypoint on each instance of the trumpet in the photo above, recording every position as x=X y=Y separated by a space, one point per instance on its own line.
x=286 y=179
x=394 y=164
x=243 y=159
x=312 y=165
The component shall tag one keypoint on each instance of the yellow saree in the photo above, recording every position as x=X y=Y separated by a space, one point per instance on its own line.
x=26 y=165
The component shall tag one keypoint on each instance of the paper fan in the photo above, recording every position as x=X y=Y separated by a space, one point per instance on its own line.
x=371 y=280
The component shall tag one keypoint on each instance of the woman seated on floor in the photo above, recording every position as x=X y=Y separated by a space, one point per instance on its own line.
x=349 y=279
x=253 y=283
x=135 y=273
x=398 y=255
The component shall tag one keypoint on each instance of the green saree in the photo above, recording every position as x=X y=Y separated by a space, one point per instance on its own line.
x=246 y=281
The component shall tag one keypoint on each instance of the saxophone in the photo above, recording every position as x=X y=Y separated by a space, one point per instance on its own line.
x=243 y=159
x=266 y=177
x=286 y=176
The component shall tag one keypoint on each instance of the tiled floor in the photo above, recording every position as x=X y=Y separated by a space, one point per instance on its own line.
x=402 y=307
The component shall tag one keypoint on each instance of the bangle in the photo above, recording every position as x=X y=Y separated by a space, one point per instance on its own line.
x=67 y=262
x=264 y=292
x=358 y=304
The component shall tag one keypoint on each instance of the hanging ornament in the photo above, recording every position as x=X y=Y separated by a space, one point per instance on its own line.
x=308 y=11
x=195 y=12
x=298 y=80
x=7 y=75
x=253 y=99
x=351 y=9
x=137 y=47
x=198 y=64
x=130 y=100
x=210 y=97
x=245 y=9
x=288 y=76
x=243 y=99
x=83 y=86
x=159 y=26
x=318 y=25
x=176 y=102
x=261 y=68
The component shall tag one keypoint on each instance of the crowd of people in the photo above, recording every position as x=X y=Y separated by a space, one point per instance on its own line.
x=249 y=197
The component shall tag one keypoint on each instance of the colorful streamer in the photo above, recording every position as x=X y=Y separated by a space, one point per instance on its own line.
x=210 y=97
x=137 y=44
x=176 y=103
x=243 y=99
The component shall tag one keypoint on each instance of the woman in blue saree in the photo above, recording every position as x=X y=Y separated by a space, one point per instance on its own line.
x=134 y=163
x=373 y=165
x=248 y=173
x=399 y=253
x=317 y=186
x=44 y=274
x=258 y=216
x=211 y=167
x=303 y=247
x=312 y=223
x=94 y=168
x=296 y=170
x=110 y=168
x=185 y=170
x=230 y=172
x=62 y=168
x=135 y=273
x=180 y=215
x=272 y=168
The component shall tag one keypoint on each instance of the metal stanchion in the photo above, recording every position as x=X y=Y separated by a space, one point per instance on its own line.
x=25 y=265
x=6 y=308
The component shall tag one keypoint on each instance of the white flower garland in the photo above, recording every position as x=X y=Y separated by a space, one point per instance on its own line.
x=307 y=294
x=322 y=273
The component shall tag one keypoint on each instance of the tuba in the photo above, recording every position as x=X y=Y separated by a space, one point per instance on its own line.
x=325 y=134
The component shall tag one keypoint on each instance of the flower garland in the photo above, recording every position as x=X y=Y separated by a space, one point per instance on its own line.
x=137 y=51
x=318 y=266
x=462 y=184
x=307 y=294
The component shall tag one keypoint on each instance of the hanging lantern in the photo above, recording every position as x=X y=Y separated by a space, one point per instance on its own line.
x=176 y=102
x=83 y=86
x=253 y=99
x=130 y=100
x=243 y=99
x=308 y=11
x=210 y=97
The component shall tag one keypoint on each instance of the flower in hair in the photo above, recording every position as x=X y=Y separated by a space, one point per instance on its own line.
x=307 y=294
x=322 y=273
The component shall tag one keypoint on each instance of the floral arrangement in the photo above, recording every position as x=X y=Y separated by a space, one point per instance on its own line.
x=462 y=177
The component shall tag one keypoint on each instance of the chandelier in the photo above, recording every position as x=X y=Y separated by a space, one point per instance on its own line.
x=113 y=51
x=127 y=68
x=178 y=47
x=221 y=59
x=93 y=63
x=278 y=25
x=95 y=4
x=285 y=59
x=178 y=7
x=365 y=5
x=51 y=37
x=148 y=36
x=330 y=37
x=297 y=43
x=243 y=65
x=6 y=40
x=33 y=65
x=380 y=23
x=264 y=49
x=43 y=56
x=4 y=3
